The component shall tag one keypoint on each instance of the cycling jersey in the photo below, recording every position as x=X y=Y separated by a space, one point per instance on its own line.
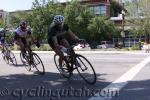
x=59 y=33
x=2 y=35
x=21 y=33
x=55 y=31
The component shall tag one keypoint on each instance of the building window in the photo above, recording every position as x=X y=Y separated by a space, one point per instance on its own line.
x=103 y=10
x=98 y=10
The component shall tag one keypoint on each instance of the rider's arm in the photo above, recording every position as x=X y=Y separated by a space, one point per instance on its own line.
x=73 y=36
x=52 y=36
x=15 y=36
x=55 y=41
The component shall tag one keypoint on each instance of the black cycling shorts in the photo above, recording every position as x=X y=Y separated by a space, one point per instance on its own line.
x=23 y=39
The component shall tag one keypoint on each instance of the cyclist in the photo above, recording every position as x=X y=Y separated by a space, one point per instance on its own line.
x=3 y=41
x=2 y=36
x=57 y=35
x=20 y=37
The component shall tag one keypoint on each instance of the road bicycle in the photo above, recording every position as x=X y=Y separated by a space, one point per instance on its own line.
x=77 y=62
x=8 y=55
x=32 y=61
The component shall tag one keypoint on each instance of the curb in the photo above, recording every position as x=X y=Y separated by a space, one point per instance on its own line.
x=100 y=52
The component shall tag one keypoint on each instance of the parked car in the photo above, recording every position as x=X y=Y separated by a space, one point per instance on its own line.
x=105 y=44
x=82 y=46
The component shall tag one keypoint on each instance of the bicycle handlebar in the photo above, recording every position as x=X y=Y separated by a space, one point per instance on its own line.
x=83 y=41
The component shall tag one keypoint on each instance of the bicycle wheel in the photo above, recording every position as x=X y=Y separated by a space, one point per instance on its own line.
x=38 y=64
x=85 y=69
x=5 y=58
x=63 y=69
x=12 y=58
x=25 y=61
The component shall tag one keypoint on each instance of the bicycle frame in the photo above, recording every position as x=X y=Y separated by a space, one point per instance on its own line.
x=72 y=54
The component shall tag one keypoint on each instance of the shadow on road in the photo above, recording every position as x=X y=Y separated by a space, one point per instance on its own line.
x=25 y=87
x=135 y=90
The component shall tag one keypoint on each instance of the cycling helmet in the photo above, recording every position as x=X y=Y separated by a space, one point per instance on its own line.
x=1 y=30
x=23 y=25
x=58 y=19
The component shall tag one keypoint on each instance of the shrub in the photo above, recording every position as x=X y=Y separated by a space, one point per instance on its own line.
x=135 y=47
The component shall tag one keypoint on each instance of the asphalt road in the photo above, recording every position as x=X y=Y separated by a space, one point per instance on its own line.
x=16 y=83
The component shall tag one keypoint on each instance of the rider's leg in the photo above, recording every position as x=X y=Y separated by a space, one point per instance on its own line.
x=27 y=45
x=66 y=44
x=21 y=45
x=57 y=51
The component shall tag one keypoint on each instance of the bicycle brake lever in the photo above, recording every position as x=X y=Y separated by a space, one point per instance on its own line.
x=83 y=41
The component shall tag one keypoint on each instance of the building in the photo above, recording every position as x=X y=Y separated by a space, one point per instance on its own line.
x=98 y=7
x=106 y=7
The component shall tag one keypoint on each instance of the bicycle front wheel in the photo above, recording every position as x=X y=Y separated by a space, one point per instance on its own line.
x=85 y=69
x=24 y=61
x=38 y=64
x=62 y=69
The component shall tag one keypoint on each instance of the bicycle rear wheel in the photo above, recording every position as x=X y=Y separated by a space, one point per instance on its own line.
x=5 y=58
x=63 y=69
x=38 y=64
x=85 y=69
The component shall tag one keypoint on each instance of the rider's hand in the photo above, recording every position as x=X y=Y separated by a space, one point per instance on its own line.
x=37 y=44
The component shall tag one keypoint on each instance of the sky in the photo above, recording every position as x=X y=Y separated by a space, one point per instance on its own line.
x=13 y=5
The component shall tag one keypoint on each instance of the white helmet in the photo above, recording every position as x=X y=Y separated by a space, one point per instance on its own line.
x=58 y=19
x=1 y=30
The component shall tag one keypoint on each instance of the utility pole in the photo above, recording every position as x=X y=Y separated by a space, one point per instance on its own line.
x=123 y=24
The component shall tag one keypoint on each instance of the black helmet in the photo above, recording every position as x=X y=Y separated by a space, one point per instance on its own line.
x=23 y=25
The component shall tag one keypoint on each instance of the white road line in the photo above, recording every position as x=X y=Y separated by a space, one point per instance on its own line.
x=121 y=82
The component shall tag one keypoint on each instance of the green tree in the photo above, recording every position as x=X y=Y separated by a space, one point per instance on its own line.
x=1 y=23
x=78 y=17
x=116 y=8
x=139 y=16
x=101 y=29
x=20 y=15
x=43 y=14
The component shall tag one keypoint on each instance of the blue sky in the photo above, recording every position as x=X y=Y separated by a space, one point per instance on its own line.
x=13 y=5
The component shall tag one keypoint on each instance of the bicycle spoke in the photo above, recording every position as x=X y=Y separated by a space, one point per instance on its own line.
x=38 y=64
x=85 y=69
x=83 y=64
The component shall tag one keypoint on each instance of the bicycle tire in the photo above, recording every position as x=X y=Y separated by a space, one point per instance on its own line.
x=21 y=57
x=25 y=62
x=5 y=57
x=79 y=59
x=64 y=70
x=37 y=60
